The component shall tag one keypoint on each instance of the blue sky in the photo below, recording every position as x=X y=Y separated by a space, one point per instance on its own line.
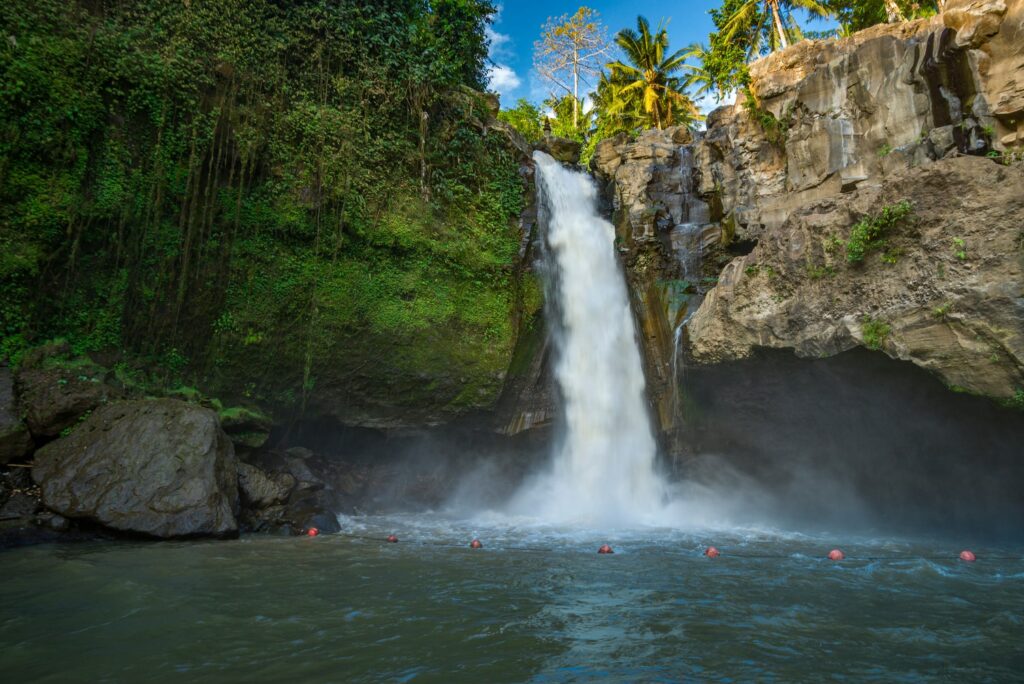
x=518 y=26
x=519 y=22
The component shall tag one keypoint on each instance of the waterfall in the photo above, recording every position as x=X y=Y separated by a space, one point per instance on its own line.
x=604 y=464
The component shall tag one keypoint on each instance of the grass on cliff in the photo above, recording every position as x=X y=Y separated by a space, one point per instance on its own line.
x=869 y=233
x=874 y=332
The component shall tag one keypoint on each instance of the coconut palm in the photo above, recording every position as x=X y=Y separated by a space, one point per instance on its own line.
x=757 y=15
x=648 y=82
x=698 y=75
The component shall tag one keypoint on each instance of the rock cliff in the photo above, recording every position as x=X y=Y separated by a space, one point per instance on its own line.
x=926 y=116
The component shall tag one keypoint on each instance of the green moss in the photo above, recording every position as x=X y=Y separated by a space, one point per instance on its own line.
x=1016 y=401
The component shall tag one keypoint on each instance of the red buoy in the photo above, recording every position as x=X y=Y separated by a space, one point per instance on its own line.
x=711 y=552
x=605 y=549
x=475 y=544
x=836 y=555
x=312 y=532
x=392 y=539
x=968 y=556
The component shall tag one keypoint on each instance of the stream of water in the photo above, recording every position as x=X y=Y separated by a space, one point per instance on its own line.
x=603 y=471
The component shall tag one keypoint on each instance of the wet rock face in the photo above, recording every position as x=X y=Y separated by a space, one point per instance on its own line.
x=157 y=467
x=943 y=291
x=662 y=228
x=261 y=490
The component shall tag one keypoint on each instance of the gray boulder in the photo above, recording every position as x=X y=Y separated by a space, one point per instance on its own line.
x=158 y=467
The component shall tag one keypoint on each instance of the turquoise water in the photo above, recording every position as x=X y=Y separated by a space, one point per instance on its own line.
x=535 y=605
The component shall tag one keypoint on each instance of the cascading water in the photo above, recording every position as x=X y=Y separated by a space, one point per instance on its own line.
x=604 y=466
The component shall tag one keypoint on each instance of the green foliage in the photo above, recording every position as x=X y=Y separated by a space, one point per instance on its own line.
x=726 y=60
x=562 y=125
x=646 y=83
x=526 y=118
x=1016 y=401
x=855 y=15
x=868 y=233
x=941 y=311
x=885 y=150
x=874 y=332
x=959 y=248
x=818 y=272
x=775 y=131
x=229 y=187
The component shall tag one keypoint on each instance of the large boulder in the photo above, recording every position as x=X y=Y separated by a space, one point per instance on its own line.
x=15 y=440
x=157 y=467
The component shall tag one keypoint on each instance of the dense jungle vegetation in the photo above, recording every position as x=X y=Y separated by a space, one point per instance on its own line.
x=258 y=196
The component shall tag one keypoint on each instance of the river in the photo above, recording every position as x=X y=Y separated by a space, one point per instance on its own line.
x=536 y=604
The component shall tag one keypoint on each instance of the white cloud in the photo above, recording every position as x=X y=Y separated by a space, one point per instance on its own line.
x=500 y=43
x=503 y=79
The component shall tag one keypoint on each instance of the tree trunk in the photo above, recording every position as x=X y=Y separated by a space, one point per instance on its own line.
x=893 y=12
x=575 y=90
x=779 y=26
x=424 y=171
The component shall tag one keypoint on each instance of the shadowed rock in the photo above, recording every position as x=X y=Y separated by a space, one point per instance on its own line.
x=54 y=400
x=15 y=440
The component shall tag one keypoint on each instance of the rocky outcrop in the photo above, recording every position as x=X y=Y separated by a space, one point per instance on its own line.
x=662 y=228
x=261 y=490
x=247 y=427
x=831 y=115
x=840 y=129
x=942 y=288
x=561 y=149
x=835 y=130
x=162 y=468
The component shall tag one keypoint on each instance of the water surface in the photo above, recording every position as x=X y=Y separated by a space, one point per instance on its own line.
x=536 y=604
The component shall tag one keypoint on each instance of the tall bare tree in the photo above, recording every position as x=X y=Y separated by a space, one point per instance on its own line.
x=570 y=49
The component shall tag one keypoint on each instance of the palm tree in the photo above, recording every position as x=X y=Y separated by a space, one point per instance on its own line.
x=648 y=81
x=754 y=16
x=698 y=75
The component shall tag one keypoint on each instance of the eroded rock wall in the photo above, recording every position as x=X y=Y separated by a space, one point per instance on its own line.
x=927 y=112
x=831 y=115
x=842 y=129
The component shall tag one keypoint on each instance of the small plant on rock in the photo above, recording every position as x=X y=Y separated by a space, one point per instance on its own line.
x=959 y=248
x=868 y=233
x=874 y=332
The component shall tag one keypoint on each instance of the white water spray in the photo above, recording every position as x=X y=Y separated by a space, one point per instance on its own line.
x=604 y=468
